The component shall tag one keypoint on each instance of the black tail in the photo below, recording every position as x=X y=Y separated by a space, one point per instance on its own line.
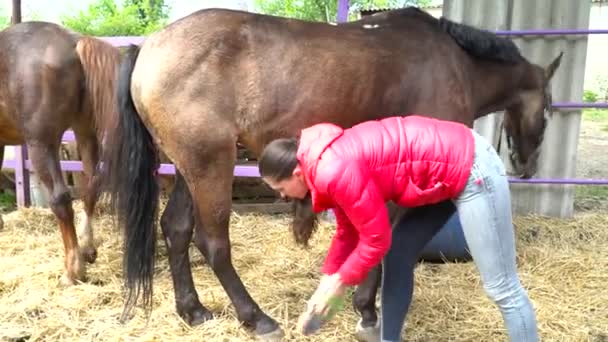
x=480 y=43
x=130 y=165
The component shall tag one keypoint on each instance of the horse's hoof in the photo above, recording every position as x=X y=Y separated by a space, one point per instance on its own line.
x=368 y=334
x=273 y=336
x=199 y=317
x=196 y=315
x=66 y=281
x=89 y=254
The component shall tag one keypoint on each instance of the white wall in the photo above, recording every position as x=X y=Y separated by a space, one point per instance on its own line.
x=597 y=46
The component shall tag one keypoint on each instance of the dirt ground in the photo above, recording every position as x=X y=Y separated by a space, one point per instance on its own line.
x=563 y=265
x=592 y=161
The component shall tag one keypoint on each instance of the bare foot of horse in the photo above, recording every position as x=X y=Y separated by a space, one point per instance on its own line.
x=75 y=270
x=196 y=316
x=273 y=336
x=268 y=330
x=368 y=333
x=66 y=280
x=89 y=254
x=87 y=249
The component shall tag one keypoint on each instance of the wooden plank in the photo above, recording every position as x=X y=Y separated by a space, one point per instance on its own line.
x=262 y=208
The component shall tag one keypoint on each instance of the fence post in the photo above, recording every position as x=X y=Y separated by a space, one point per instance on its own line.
x=343 y=7
x=22 y=177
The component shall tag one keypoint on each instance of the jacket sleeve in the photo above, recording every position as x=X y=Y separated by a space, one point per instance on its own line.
x=342 y=245
x=355 y=192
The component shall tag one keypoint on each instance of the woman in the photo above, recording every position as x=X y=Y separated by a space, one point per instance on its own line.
x=413 y=161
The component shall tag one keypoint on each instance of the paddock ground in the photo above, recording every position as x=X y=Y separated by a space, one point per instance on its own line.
x=563 y=264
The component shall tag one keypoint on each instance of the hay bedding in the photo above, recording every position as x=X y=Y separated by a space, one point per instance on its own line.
x=564 y=265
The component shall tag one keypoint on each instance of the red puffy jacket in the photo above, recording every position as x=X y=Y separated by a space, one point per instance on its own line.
x=411 y=160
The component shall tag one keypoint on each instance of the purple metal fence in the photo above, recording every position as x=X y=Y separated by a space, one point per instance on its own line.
x=22 y=165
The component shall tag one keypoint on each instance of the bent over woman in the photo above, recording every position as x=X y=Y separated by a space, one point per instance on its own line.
x=412 y=161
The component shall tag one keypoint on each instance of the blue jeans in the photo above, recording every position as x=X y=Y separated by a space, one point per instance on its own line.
x=484 y=208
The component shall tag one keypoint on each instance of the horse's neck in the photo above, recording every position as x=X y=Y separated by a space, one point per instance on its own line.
x=495 y=85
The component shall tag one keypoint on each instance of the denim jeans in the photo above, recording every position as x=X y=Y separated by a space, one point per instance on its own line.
x=484 y=208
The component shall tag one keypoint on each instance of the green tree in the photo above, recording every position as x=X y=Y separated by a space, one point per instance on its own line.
x=5 y=17
x=153 y=14
x=106 y=18
x=325 y=10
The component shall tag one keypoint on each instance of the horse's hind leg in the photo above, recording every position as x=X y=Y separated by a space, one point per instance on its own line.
x=45 y=160
x=88 y=147
x=177 y=223
x=209 y=177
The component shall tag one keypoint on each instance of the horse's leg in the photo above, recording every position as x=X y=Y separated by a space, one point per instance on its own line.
x=88 y=147
x=210 y=182
x=364 y=298
x=45 y=161
x=177 y=223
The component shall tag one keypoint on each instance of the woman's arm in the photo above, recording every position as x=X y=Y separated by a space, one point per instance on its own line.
x=355 y=192
x=342 y=245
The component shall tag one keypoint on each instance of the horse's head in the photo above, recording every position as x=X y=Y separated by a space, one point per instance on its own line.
x=526 y=119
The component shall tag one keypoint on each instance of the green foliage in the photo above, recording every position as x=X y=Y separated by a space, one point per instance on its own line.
x=589 y=96
x=8 y=201
x=314 y=10
x=153 y=14
x=596 y=115
x=5 y=17
x=105 y=18
x=325 y=10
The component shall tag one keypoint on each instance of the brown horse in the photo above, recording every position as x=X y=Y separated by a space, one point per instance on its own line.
x=219 y=77
x=52 y=79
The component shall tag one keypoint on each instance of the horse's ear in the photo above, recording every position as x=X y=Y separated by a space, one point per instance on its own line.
x=550 y=70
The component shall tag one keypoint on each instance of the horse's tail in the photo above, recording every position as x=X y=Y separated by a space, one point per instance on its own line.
x=130 y=164
x=100 y=62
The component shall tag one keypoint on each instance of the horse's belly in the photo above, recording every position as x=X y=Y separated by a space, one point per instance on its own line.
x=10 y=134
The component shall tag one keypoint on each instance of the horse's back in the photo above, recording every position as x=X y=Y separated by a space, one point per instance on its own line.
x=36 y=37
x=40 y=72
x=252 y=74
x=237 y=30
x=218 y=45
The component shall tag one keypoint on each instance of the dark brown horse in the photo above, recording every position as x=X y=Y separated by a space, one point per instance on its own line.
x=218 y=77
x=50 y=80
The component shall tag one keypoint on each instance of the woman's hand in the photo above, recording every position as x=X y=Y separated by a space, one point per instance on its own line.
x=323 y=302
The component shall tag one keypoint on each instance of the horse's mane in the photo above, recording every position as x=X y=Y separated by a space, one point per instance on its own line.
x=100 y=61
x=478 y=43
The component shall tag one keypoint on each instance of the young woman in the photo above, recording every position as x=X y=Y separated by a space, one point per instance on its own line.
x=413 y=161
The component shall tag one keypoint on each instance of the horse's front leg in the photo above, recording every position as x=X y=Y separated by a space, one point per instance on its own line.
x=211 y=190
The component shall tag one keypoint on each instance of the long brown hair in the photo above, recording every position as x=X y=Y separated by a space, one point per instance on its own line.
x=277 y=162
